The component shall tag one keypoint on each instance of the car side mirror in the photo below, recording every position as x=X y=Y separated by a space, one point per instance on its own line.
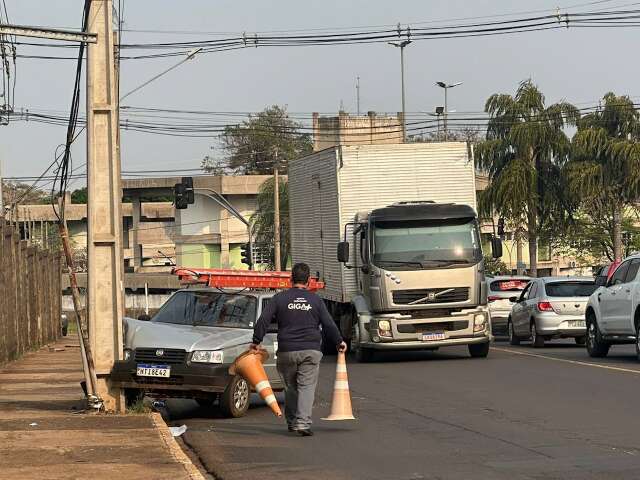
x=343 y=252
x=514 y=299
x=144 y=317
x=496 y=247
x=600 y=281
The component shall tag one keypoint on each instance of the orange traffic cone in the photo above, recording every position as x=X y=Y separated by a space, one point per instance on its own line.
x=341 y=404
x=249 y=366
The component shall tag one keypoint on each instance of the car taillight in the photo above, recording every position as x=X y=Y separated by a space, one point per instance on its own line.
x=545 y=307
x=492 y=298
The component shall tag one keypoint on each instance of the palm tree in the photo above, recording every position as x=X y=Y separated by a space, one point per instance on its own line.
x=604 y=169
x=524 y=148
x=262 y=221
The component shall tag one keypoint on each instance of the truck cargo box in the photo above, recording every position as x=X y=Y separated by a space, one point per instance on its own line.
x=328 y=188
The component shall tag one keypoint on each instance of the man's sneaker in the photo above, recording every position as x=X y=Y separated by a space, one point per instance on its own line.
x=305 y=432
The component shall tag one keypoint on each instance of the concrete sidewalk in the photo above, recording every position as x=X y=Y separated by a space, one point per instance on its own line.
x=45 y=434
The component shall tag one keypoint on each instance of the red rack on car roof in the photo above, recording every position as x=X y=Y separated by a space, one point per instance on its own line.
x=227 y=278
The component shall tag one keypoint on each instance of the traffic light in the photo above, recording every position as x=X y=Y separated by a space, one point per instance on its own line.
x=501 y=227
x=183 y=193
x=245 y=254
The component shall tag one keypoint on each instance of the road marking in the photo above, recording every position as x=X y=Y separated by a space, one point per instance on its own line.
x=574 y=362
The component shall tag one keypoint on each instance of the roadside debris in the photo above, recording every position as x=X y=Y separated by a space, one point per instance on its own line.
x=177 y=431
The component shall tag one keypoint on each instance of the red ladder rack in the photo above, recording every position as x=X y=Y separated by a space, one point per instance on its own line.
x=226 y=278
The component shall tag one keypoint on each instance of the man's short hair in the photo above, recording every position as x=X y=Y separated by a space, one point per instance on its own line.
x=300 y=273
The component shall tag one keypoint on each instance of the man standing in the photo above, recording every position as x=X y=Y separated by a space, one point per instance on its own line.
x=299 y=315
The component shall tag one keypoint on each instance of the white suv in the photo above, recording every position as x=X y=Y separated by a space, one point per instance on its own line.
x=613 y=311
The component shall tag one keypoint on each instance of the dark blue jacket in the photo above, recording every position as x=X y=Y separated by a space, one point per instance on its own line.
x=299 y=315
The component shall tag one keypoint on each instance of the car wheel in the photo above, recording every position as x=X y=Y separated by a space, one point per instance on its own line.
x=638 y=340
x=513 y=338
x=363 y=355
x=581 y=340
x=234 y=401
x=479 y=350
x=536 y=340
x=596 y=346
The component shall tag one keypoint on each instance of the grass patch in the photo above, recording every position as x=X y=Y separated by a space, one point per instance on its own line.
x=139 y=407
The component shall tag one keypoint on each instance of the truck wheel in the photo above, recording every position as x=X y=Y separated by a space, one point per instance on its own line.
x=596 y=346
x=536 y=340
x=479 y=350
x=363 y=355
x=638 y=340
x=234 y=401
x=513 y=338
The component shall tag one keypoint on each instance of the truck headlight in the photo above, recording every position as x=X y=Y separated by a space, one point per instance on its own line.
x=479 y=322
x=384 y=325
x=207 y=356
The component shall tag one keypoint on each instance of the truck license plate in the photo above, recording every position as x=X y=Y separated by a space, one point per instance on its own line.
x=145 y=370
x=431 y=336
x=576 y=323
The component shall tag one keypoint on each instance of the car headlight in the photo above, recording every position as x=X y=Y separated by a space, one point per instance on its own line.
x=207 y=356
x=384 y=325
x=127 y=354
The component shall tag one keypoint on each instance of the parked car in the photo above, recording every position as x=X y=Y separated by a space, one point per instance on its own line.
x=613 y=311
x=500 y=293
x=551 y=307
x=186 y=348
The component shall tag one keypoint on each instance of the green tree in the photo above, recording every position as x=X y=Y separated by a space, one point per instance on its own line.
x=79 y=196
x=262 y=221
x=524 y=150
x=604 y=169
x=252 y=146
x=495 y=266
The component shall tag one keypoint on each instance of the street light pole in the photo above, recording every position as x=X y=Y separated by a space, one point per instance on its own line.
x=446 y=87
x=401 y=45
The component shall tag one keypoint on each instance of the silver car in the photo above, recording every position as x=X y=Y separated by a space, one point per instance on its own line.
x=551 y=307
x=500 y=293
x=186 y=349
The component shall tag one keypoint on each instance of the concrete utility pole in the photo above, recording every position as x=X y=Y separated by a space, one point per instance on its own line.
x=105 y=273
x=276 y=215
x=1 y=194
x=401 y=45
x=358 y=95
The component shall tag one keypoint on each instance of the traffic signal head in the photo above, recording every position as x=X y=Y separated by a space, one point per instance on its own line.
x=183 y=193
x=245 y=254
x=501 y=227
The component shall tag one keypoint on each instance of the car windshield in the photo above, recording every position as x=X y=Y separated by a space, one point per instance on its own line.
x=570 y=289
x=213 y=309
x=508 y=285
x=426 y=243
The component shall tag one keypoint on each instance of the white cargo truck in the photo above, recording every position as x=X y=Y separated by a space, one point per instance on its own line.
x=393 y=232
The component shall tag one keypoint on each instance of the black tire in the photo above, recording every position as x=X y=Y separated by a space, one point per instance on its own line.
x=479 y=350
x=363 y=355
x=513 y=338
x=234 y=401
x=638 y=340
x=596 y=346
x=581 y=340
x=537 y=341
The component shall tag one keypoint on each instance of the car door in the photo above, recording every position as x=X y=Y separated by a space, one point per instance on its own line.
x=609 y=297
x=518 y=311
x=621 y=318
x=270 y=343
x=530 y=305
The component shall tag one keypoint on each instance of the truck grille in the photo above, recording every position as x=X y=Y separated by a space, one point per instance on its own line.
x=169 y=356
x=431 y=296
x=433 y=327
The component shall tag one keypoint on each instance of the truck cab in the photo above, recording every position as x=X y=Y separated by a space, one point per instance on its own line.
x=420 y=275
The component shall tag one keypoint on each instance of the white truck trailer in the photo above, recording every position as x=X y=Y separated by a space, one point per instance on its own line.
x=393 y=232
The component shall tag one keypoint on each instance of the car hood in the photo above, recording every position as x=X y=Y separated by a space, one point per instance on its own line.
x=144 y=334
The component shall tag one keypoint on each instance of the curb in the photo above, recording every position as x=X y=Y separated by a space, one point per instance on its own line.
x=174 y=448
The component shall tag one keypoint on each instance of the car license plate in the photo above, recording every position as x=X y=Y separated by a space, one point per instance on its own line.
x=576 y=323
x=145 y=370
x=432 y=336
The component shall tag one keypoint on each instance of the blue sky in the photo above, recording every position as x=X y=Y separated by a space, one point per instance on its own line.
x=576 y=65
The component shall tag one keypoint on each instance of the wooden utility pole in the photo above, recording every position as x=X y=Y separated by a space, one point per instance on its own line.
x=105 y=272
x=276 y=215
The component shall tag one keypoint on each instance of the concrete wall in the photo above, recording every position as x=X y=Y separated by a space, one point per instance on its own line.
x=348 y=129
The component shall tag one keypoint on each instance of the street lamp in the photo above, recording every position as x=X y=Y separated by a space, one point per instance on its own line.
x=401 y=45
x=446 y=87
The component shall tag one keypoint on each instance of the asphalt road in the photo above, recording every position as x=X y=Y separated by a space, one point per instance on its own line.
x=522 y=413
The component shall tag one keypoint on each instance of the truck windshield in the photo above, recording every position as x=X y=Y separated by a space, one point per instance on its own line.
x=212 y=309
x=426 y=244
